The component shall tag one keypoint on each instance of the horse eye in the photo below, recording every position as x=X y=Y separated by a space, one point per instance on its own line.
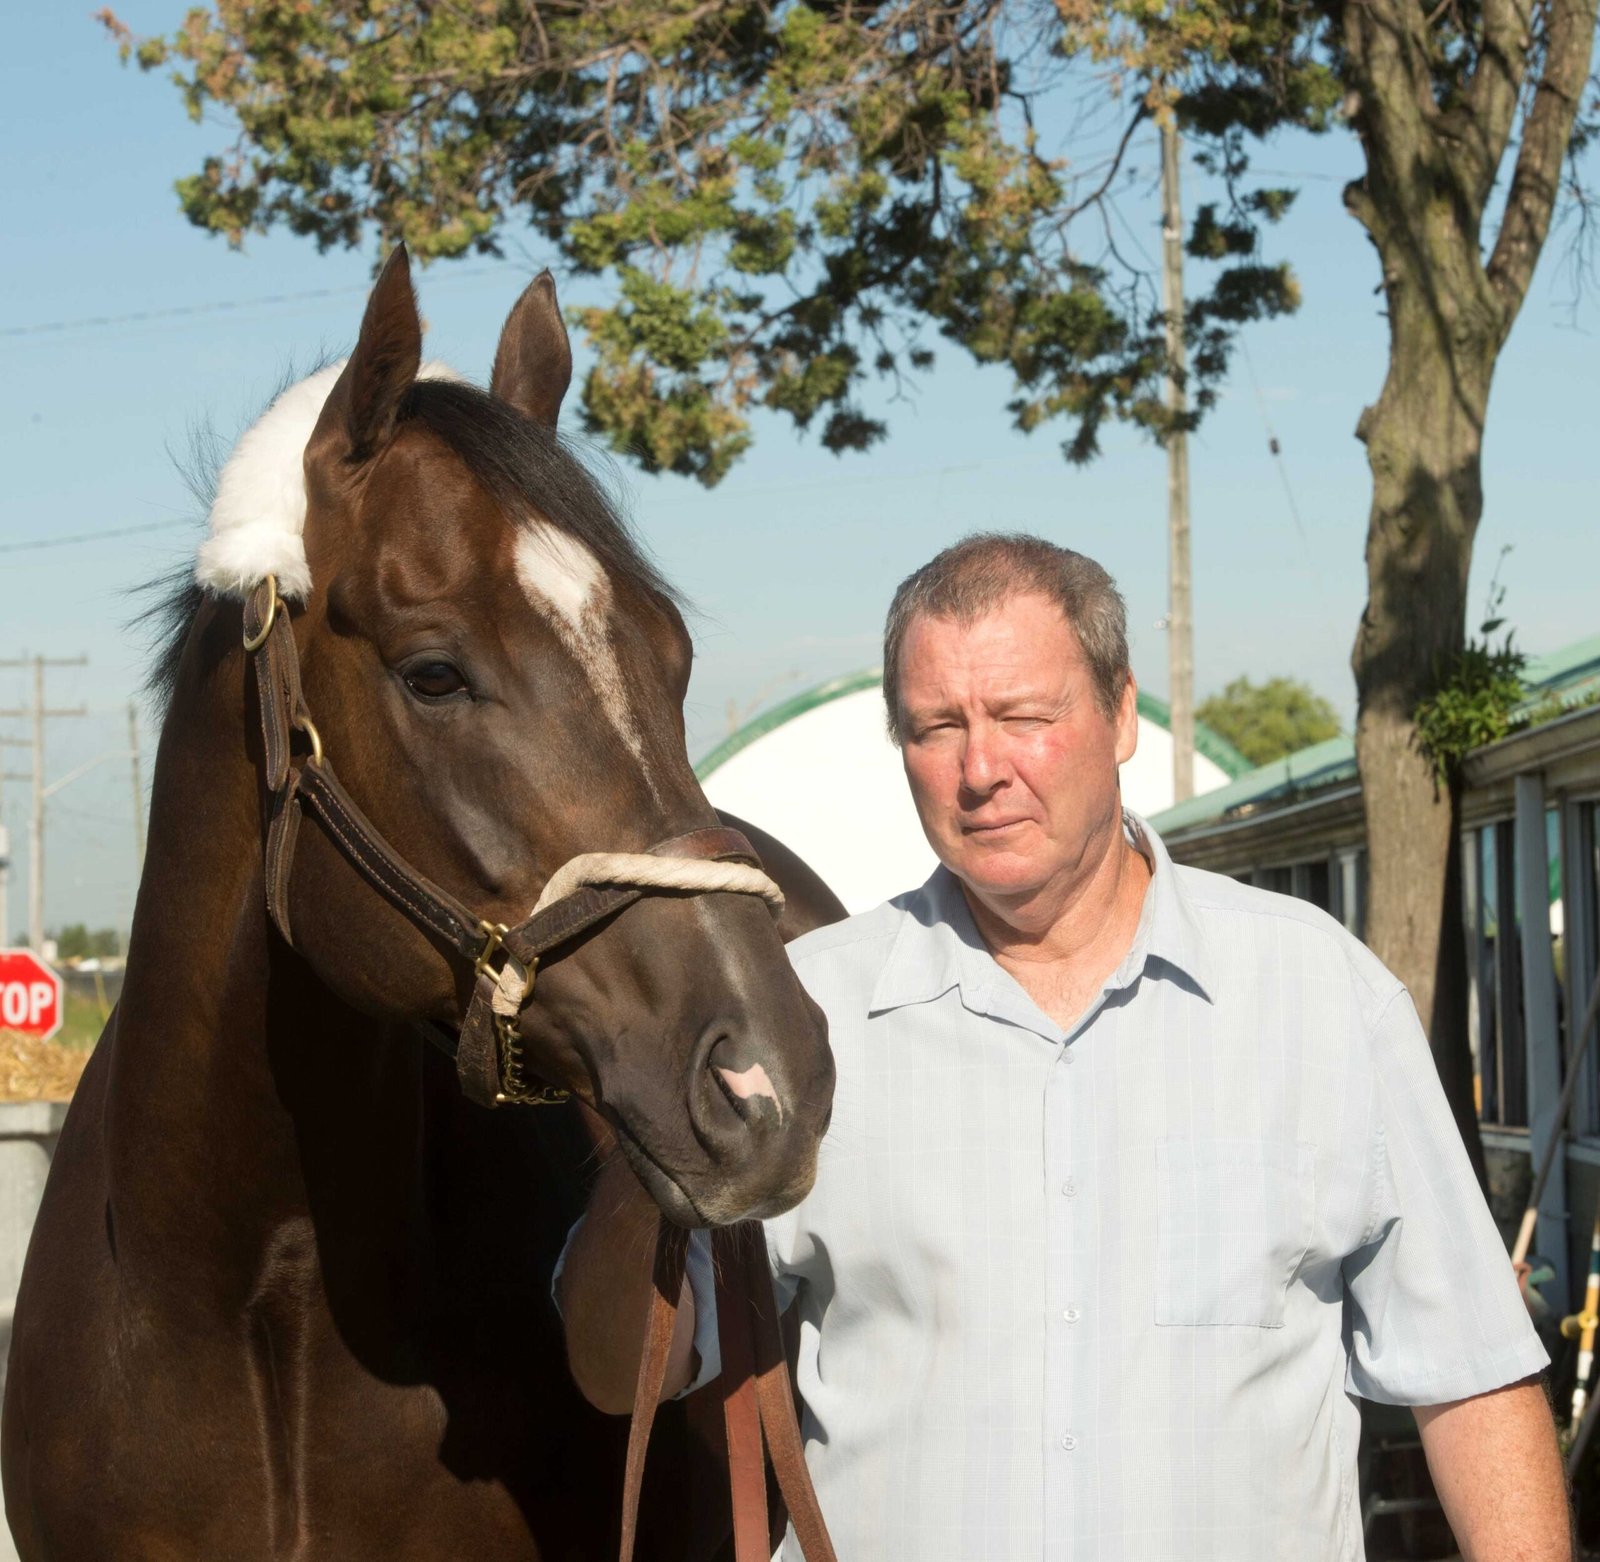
x=435 y=681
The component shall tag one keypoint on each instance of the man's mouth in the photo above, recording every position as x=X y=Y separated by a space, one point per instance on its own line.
x=992 y=827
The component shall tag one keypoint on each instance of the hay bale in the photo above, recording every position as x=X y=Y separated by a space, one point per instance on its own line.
x=34 y=1070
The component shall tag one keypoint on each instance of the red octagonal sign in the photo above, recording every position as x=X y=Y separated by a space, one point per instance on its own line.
x=30 y=994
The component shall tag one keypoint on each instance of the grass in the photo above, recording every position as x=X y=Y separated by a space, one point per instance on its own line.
x=82 y=1022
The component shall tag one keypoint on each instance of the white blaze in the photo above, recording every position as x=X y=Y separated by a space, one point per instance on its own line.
x=565 y=582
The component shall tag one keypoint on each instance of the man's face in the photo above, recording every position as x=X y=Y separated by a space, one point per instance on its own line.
x=1012 y=764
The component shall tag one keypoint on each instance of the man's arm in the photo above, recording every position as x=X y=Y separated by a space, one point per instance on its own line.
x=605 y=1290
x=1498 y=1473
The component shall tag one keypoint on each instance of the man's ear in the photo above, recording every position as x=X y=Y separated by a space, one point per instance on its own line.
x=364 y=406
x=533 y=363
x=1127 y=723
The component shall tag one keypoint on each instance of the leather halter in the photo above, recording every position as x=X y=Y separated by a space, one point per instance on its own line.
x=758 y=1402
x=488 y=1049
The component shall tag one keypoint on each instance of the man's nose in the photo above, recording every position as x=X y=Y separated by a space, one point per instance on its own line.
x=982 y=763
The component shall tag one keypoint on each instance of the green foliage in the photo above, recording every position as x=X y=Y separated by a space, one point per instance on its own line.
x=1266 y=721
x=792 y=198
x=1477 y=694
x=76 y=942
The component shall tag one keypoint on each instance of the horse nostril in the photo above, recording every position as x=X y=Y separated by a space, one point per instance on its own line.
x=749 y=1090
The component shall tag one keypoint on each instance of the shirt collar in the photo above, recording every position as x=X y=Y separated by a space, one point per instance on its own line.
x=938 y=946
x=1169 y=929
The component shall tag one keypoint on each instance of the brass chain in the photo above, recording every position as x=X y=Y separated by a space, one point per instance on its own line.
x=514 y=1087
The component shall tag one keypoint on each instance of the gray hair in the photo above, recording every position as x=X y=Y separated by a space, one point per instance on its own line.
x=981 y=572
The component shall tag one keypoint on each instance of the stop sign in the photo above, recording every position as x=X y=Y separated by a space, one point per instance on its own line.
x=30 y=994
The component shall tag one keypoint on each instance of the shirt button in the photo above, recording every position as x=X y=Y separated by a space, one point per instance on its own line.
x=1069 y=1188
x=1070 y=1053
x=1069 y=1442
x=1071 y=1315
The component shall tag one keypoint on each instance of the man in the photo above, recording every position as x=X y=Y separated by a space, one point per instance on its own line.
x=1135 y=1175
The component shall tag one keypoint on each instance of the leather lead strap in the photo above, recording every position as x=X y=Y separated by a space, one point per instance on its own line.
x=672 y=1245
x=741 y=1413
x=775 y=1395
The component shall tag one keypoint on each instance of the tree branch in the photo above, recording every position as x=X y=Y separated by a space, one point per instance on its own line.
x=1536 y=180
x=1488 y=108
x=1387 y=45
x=1140 y=114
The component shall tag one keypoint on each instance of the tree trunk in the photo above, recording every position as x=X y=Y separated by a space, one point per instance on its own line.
x=1424 y=440
x=1434 y=154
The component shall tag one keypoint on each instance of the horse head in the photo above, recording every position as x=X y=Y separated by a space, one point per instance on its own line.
x=500 y=674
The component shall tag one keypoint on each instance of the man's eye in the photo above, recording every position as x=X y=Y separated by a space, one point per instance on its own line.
x=435 y=681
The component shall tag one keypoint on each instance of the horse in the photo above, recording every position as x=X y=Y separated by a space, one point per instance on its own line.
x=288 y=1292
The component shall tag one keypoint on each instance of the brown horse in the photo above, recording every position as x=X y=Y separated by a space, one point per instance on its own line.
x=288 y=1292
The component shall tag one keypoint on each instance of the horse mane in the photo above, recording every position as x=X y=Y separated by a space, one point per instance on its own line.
x=532 y=471
x=523 y=464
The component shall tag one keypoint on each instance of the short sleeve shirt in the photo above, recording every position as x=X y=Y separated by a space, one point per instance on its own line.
x=1106 y=1294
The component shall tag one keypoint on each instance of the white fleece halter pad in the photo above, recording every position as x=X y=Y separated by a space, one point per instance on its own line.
x=258 y=517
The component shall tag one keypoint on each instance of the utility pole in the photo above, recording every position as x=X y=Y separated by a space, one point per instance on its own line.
x=5 y=843
x=5 y=876
x=39 y=714
x=1180 y=611
x=138 y=790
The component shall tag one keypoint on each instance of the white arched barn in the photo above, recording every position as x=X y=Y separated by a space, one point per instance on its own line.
x=820 y=773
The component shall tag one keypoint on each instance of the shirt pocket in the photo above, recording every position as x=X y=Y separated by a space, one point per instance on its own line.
x=1233 y=1222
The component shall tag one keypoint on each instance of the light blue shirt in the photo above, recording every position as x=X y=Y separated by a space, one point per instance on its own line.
x=1105 y=1294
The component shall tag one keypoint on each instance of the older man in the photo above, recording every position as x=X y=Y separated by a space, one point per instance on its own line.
x=1136 y=1178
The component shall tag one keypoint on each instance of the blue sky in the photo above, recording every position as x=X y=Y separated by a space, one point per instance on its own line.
x=791 y=561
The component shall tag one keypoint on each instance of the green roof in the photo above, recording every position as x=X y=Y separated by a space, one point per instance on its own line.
x=1213 y=745
x=1570 y=674
x=1216 y=748
x=1279 y=781
x=798 y=705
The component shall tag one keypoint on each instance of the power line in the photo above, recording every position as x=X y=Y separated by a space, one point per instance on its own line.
x=36 y=543
x=221 y=306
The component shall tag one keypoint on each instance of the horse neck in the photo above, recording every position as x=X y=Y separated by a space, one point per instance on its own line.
x=243 y=1101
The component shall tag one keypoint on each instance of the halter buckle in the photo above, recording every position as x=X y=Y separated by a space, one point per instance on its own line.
x=494 y=934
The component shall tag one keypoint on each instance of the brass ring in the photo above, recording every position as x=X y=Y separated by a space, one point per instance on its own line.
x=309 y=727
x=254 y=643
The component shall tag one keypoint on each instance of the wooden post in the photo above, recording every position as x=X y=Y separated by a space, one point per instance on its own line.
x=1546 y=1124
x=138 y=789
x=38 y=713
x=1180 y=616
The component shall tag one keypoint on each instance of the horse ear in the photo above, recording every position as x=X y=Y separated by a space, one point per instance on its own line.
x=384 y=365
x=533 y=363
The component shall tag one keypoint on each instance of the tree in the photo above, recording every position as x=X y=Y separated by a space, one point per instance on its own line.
x=76 y=942
x=72 y=942
x=1267 y=721
x=788 y=193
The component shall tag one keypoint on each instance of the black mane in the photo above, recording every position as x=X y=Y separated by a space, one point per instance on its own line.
x=518 y=461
